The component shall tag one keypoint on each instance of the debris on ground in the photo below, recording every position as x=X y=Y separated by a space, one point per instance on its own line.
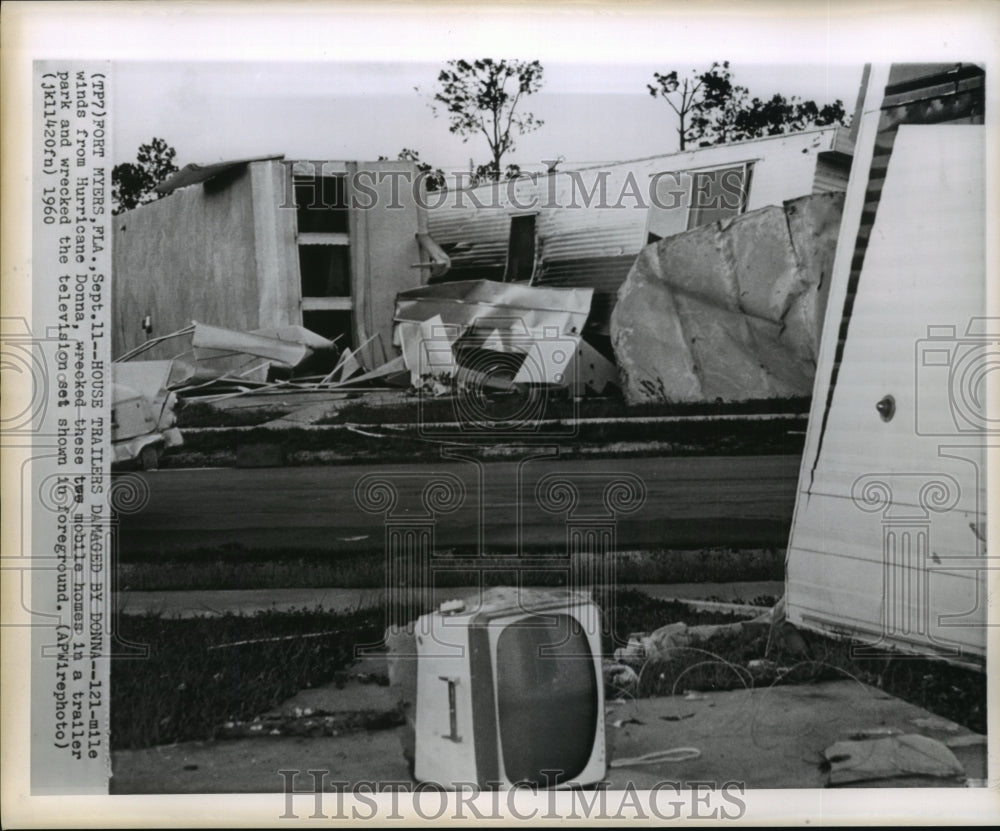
x=143 y=419
x=316 y=723
x=890 y=757
x=619 y=678
x=657 y=757
x=663 y=643
x=482 y=333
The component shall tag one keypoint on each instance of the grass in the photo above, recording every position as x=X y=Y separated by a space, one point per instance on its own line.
x=398 y=437
x=194 y=414
x=620 y=439
x=187 y=690
x=430 y=409
x=236 y=567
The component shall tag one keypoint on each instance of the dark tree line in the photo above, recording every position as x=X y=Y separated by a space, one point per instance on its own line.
x=712 y=109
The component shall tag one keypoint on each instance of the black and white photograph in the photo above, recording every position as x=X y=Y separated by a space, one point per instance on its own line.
x=544 y=415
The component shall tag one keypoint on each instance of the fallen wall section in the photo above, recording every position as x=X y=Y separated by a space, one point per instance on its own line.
x=729 y=311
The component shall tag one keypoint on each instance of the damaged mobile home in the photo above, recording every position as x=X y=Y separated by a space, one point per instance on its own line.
x=339 y=249
x=268 y=243
x=584 y=228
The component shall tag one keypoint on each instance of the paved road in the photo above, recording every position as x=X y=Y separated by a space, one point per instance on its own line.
x=687 y=502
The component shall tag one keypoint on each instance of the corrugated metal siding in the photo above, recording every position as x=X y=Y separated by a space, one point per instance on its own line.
x=592 y=242
x=603 y=275
x=576 y=222
x=886 y=541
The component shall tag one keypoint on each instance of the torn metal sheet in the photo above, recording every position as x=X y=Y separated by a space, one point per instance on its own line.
x=439 y=263
x=428 y=348
x=565 y=310
x=145 y=378
x=286 y=351
x=500 y=335
x=731 y=310
x=391 y=372
x=911 y=755
x=194 y=174
x=295 y=334
x=581 y=367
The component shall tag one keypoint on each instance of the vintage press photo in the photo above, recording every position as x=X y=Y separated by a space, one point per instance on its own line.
x=489 y=434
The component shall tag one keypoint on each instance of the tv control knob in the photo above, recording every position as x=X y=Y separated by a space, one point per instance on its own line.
x=452 y=607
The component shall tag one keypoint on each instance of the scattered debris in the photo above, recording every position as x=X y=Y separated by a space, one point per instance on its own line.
x=142 y=409
x=287 y=346
x=318 y=723
x=500 y=335
x=663 y=643
x=763 y=669
x=675 y=754
x=619 y=678
x=677 y=718
x=890 y=757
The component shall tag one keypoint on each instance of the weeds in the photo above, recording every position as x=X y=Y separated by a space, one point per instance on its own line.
x=562 y=407
x=235 y=567
x=194 y=414
x=720 y=663
x=186 y=690
x=392 y=444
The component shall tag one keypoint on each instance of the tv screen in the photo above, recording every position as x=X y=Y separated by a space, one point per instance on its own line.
x=508 y=690
x=547 y=699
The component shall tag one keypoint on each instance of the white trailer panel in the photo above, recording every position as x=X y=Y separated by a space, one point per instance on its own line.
x=888 y=536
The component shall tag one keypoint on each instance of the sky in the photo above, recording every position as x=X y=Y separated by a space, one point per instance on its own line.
x=213 y=111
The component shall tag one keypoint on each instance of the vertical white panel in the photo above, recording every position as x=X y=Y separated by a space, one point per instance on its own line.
x=886 y=540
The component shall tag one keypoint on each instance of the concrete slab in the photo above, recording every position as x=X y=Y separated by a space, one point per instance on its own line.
x=771 y=737
x=765 y=738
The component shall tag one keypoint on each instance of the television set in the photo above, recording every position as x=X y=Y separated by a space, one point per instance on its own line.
x=509 y=691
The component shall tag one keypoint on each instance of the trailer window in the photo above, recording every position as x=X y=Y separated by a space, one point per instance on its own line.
x=718 y=194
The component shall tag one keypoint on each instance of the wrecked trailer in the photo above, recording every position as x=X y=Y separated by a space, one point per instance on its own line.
x=142 y=413
x=503 y=336
x=584 y=227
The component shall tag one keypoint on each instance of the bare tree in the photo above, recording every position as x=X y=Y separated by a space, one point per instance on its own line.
x=483 y=97
x=705 y=102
